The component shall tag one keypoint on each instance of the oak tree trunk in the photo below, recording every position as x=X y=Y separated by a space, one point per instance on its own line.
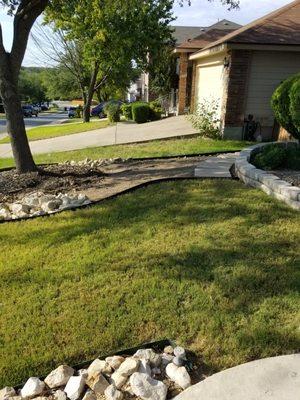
x=90 y=94
x=15 y=121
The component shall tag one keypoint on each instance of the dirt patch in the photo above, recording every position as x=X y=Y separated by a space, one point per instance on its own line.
x=98 y=182
x=290 y=176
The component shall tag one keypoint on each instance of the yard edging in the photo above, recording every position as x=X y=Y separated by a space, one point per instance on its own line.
x=269 y=183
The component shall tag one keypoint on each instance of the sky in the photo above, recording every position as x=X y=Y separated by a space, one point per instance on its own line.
x=200 y=13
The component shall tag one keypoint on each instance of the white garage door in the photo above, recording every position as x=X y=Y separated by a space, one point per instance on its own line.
x=210 y=83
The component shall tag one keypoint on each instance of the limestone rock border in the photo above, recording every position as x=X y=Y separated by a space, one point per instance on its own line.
x=269 y=183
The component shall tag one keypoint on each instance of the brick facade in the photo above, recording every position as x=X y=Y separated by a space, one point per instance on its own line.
x=183 y=76
x=236 y=77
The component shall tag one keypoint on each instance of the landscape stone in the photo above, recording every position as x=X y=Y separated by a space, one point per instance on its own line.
x=32 y=388
x=89 y=395
x=168 y=350
x=178 y=375
x=75 y=387
x=59 y=395
x=129 y=366
x=144 y=367
x=148 y=388
x=149 y=355
x=97 y=383
x=59 y=377
x=112 y=393
x=97 y=367
x=7 y=392
x=115 y=361
x=118 y=380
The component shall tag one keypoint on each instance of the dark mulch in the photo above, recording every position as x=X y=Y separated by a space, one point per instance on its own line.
x=291 y=176
x=51 y=179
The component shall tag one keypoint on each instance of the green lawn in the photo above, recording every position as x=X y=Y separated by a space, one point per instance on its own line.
x=211 y=264
x=46 y=132
x=155 y=148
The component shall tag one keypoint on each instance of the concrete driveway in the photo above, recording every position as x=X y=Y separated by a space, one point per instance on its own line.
x=123 y=132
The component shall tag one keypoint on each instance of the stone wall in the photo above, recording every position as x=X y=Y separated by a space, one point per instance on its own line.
x=269 y=183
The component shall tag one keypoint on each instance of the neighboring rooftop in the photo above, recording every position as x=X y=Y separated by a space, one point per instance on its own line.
x=281 y=27
x=201 y=41
x=183 y=34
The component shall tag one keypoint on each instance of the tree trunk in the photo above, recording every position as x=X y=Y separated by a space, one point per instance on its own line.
x=15 y=123
x=90 y=94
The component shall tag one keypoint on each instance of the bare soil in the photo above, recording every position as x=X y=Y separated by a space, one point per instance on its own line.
x=97 y=183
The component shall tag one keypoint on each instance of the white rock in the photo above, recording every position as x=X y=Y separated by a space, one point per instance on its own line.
x=129 y=366
x=51 y=205
x=156 y=371
x=17 y=208
x=97 y=383
x=118 y=380
x=89 y=395
x=179 y=352
x=59 y=395
x=75 y=386
x=32 y=388
x=4 y=213
x=97 y=367
x=179 y=375
x=178 y=361
x=147 y=388
x=7 y=392
x=112 y=393
x=149 y=355
x=114 y=361
x=168 y=350
x=83 y=372
x=144 y=367
x=59 y=377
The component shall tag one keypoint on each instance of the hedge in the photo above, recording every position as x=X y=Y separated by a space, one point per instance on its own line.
x=140 y=112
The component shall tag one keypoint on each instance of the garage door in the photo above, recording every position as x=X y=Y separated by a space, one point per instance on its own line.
x=210 y=83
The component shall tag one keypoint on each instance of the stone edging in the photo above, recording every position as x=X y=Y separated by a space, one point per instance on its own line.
x=269 y=183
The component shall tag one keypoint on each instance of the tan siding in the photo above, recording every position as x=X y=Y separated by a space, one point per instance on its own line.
x=268 y=69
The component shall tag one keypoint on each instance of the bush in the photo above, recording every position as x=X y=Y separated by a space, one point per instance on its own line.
x=140 y=112
x=127 y=111
x=155 y=111
x=271 y=157
x=293 y=158
x=295 y=106
x=113 y=112
x=284 y=102
x=205 y=119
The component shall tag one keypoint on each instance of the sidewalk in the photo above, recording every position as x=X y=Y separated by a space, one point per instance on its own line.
x=123 y=132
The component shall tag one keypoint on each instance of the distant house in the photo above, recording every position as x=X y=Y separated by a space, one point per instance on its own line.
x=181 y=34
x=241 y=69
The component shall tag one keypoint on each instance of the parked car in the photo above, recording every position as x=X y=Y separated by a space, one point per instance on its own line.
x=29 y=111
x=72 y=112
x=98 y=111
x=36 y=110
x=44 y=107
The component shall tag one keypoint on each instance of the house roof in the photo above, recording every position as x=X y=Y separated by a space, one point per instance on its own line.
x=183 y=34
x=204 y=40
x=279 y=27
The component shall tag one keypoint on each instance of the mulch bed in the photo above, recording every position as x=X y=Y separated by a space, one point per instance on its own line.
x=291 y=176
x=96 y=182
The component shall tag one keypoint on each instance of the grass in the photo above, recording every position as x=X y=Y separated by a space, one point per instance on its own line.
x=47 y=132
x=211 y=264
x=155 y=148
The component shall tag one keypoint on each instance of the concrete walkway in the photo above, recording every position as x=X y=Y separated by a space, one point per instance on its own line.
x=123 y=132
x=276 y=378
x=216 y=167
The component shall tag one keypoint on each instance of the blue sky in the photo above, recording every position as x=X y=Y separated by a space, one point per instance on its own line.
x=200 y=13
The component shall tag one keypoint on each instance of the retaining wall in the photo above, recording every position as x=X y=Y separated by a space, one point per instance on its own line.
x=269 y=183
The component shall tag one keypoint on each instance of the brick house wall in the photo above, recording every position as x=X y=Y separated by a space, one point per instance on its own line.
x=236 y=78
x=183 y=76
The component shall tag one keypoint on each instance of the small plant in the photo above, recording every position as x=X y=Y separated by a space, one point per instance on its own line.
x=113 y=112
x=205 y=119
x=127 y=111
x=140 y=112
x=155 y=111
x=271 y=157
x=293 y=158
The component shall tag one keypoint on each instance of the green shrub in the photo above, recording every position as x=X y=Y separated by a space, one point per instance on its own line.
x=293 y=158
x=282 y=105
x=140 y=112
x=295 y=106
x=155 y=111
x=113 y=112
x=127 y=111
x=205 y=119
x=271 y=157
